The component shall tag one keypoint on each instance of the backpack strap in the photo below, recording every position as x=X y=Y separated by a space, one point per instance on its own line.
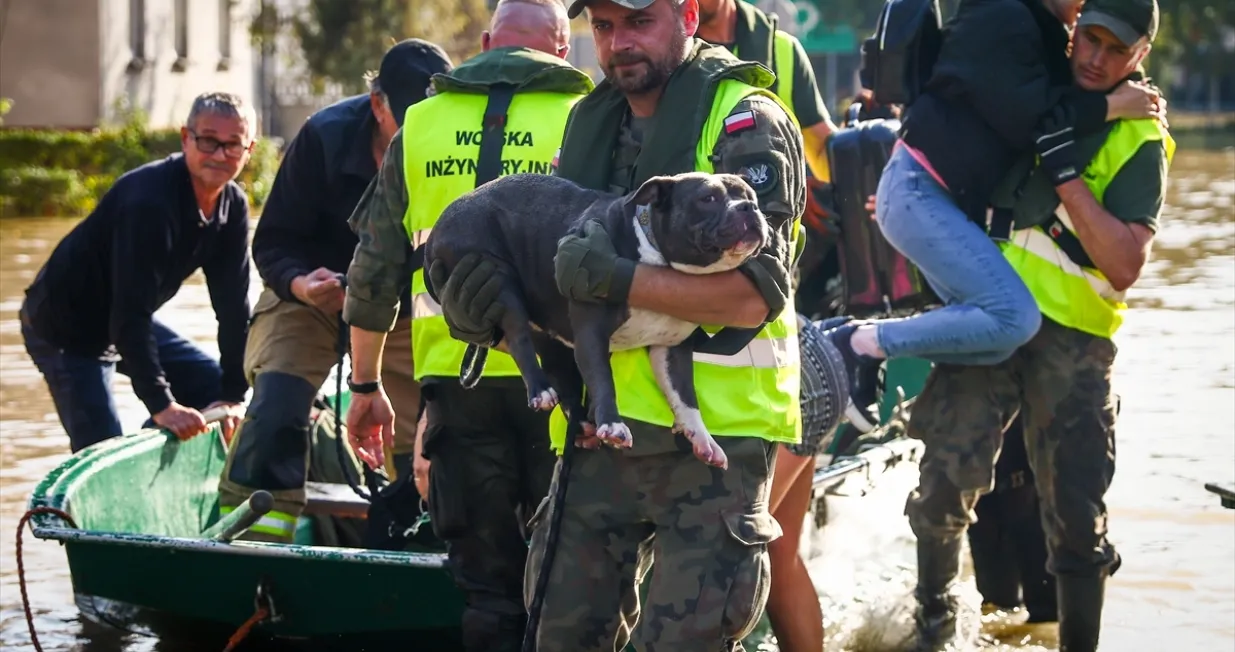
x=492 y=139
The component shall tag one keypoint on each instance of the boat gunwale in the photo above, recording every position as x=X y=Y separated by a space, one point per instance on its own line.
x=246 y=548
x=53 y=491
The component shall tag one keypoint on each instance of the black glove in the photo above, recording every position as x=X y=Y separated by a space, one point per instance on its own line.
x=469 y=299
x=1055 y=144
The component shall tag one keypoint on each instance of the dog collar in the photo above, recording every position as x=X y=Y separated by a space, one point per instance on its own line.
x=643 y=217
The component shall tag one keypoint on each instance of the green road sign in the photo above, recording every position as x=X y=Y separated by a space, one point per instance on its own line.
x=818 y=38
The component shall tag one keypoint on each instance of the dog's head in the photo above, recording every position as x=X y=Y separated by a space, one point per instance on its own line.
x=700 y=223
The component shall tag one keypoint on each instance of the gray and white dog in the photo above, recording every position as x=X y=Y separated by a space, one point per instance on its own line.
x=696 y=223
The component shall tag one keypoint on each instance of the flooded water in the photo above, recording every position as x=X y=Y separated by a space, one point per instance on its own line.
x=1175 y=373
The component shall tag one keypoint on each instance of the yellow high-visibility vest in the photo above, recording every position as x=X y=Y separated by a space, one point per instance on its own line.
x=441 y=142
x=1069 y=294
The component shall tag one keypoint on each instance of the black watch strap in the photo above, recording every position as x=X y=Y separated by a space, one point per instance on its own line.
x=363 y=388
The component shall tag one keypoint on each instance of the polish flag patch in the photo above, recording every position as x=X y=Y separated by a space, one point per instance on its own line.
x=740 y=122
x=556 y=156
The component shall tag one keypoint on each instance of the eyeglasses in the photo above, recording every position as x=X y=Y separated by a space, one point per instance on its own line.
x=210 y=145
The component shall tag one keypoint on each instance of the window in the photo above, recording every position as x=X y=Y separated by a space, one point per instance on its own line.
x=137 y=29
x=181 y=18
x=225 y=33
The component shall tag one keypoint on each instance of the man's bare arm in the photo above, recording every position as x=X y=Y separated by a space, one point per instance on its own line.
x=724 y=299
x=1119 y=249
x=367 y=349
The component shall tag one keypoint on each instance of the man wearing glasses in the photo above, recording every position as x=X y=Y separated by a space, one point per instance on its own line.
x=90 y=310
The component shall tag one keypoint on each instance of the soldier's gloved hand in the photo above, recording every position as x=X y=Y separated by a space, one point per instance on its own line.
x=469 y=299
x=1056 y=146
x=587 y=267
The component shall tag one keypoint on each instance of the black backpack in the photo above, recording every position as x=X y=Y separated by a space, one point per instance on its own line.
x=897 y=60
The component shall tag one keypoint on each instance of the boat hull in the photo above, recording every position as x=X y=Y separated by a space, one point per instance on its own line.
x=138 y=562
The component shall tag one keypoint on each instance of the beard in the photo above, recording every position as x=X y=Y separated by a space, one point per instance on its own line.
x=643 y=74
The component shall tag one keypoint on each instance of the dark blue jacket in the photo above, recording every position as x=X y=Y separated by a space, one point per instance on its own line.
x=98 y=291
x=324 y=171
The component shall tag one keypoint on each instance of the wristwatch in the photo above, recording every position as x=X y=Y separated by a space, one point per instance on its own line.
x=363 y=388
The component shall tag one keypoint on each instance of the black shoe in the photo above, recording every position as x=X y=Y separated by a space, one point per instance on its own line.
x=863 y=378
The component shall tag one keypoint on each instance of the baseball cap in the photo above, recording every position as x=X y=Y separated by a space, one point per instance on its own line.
x=406 y=70
x=577 y=6
x=1128 y=20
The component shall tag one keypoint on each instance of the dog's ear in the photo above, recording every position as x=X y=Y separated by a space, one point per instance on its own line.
x=653 y=192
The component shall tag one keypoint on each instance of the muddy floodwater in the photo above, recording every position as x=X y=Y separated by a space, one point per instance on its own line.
x=1175 y=373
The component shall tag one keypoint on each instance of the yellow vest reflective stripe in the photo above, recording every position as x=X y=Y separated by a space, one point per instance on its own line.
x=753 y=393
x=441 y=142
x=1073 y=296
x=274 y=523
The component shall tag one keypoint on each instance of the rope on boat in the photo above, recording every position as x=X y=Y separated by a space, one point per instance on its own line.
x=260 y=614
x=21 y=568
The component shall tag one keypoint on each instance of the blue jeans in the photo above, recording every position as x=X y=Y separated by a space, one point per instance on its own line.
x=988 y=311
x=80 y=385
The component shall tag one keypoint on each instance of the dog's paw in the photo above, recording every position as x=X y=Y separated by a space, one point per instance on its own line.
x=544 y=400
x=616 y=435
x=707 y=450
x=701 y=441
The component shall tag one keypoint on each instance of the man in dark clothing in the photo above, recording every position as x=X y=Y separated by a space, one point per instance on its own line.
x=1007 y=542
x=90 y=310
x=301 y=245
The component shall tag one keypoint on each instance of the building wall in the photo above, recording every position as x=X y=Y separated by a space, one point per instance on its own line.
x=49 y=63
x=164 y=81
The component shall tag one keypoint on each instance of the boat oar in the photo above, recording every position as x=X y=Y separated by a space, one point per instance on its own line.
x=239 y=520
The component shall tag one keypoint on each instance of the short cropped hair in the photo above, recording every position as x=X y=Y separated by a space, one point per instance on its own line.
x=224 y=104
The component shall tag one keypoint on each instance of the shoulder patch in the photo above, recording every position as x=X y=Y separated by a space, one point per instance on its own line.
x=760 y=173
x=740 y=121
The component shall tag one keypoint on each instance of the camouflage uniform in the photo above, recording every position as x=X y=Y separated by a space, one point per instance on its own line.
x=707 y=528
x=1060 y=382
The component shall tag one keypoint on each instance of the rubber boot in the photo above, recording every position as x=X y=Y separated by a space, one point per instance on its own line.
x=271 y=451
x=935 y=619
x=1080 y=612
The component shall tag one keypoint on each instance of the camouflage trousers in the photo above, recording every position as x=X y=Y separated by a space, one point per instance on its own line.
x=707 y=529
x=1060 y=383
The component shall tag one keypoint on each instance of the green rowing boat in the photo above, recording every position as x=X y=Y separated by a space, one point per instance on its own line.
x=147 y=550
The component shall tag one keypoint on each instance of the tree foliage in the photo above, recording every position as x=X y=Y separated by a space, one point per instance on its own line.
x=340 y=40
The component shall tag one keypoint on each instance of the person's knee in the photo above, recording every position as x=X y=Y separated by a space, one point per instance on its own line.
x=272 y=447
x=938 y=510
x=1017 y=318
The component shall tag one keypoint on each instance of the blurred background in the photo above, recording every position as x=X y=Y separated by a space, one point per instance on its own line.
x=92 y=88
